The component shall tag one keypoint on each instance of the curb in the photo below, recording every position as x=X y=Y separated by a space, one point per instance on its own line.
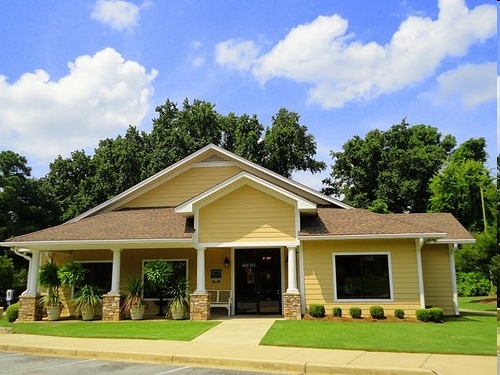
x=216 y=362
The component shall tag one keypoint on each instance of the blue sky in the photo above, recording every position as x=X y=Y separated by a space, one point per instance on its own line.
x=74 y=72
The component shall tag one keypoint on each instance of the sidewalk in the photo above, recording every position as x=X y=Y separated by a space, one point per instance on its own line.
x=234 y=344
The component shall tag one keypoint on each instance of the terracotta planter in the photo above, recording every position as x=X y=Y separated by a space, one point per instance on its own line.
x=137 y=312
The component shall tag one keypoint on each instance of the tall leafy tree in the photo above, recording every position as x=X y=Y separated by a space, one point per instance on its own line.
x=25 y=205
x=392 y=166
x=288 y=147
x=70 y=183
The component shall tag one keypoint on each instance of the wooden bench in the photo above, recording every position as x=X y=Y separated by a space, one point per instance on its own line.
x=221 y=298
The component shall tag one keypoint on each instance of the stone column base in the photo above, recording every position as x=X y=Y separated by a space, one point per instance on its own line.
x=30 y=307
x=199 y=307
x=292 y=307
x=111 y=308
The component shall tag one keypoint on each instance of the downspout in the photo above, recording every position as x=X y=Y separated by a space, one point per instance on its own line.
x=16 y=251
x=452 y=249
x=419 y=243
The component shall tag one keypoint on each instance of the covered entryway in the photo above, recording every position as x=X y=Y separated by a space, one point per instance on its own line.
x=258 y=281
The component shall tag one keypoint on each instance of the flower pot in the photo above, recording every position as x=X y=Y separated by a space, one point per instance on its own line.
x=88 y=313
x=54 y=313
x=177 y=312
x=137 y=312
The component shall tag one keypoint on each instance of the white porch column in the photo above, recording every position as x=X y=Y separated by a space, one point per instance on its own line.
x=418 y=244
x=33 y=273
x=292 y=271
x=453 y=274
x=115 y=276
x=200 y=271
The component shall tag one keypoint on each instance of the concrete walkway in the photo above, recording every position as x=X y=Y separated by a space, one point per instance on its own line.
x=234 y=344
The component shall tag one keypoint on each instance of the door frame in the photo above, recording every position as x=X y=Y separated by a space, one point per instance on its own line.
x=233 y=272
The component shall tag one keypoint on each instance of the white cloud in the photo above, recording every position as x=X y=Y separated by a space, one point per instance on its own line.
x=98 y=98
x=198 y=61
x=472 y=83
x=341 y=69
x=118 y=14
x=238 y=55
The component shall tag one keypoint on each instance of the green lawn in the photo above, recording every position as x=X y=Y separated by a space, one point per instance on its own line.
x=475 y=303
x=182 y=330
x=468 y=334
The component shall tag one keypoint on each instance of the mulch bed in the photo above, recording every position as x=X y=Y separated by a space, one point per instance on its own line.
x=387 y=319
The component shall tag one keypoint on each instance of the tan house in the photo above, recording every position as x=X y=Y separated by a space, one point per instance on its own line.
x=272 y=245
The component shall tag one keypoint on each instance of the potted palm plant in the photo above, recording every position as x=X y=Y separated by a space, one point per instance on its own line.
x=71 y=275
x=178 y=290
x=86 y=300
x=48 y=279
x=158 y=274
x=133 y=303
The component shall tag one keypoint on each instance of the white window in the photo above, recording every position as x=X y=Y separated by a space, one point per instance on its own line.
x=362 y=277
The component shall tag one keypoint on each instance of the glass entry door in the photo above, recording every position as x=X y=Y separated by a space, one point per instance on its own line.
x=258 y=281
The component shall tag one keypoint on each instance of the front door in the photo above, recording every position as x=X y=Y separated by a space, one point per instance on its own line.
x=258 y=281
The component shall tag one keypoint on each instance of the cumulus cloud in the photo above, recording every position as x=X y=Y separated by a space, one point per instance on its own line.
x=118 y=14
x=98 y=98
x=341 y=69
x=472 y=83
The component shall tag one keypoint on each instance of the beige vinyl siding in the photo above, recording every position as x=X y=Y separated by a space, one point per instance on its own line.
x=247 y=214
x=184 y=187
x=437 y=277
x=318 y=273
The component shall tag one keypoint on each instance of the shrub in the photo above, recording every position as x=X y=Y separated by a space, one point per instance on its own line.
x=12 y=312
x=433 y=314
x=377 y=312
x=472 y=284
x=355 y=312
x=316 y=310
x=337 y=311
x=400 y=314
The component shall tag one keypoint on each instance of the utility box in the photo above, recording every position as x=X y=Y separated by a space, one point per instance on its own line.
x=9 y=296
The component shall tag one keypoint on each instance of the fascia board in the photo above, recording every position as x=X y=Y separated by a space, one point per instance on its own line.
x=104 y=244
x=371 y=236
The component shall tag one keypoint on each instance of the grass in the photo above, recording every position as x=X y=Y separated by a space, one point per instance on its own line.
x=469 y=334
x=474 y=303
x=181 y=330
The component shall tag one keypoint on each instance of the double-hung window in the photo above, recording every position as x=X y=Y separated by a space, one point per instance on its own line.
x=362 y=276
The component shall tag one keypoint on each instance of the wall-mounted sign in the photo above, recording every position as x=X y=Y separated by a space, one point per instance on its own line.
x=216 y=273
x=248 y=265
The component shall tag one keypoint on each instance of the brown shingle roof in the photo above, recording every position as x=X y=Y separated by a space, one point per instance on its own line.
x=150 y=223
x=338 y=222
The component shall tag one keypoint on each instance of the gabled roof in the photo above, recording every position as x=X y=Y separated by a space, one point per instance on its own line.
x=235 y=182
x=211 y=151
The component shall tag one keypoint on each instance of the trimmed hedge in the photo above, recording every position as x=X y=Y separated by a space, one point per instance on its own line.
x=399 y=313
x=337 y=311
x=377 y=312
x=317 y=310
x=433 y=314
x=355 y=312
x=12 y=312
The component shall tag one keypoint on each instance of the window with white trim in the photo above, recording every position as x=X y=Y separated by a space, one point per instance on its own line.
x=180 y=270
x=362 y=276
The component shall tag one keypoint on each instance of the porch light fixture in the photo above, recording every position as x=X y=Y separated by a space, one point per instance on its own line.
x=226 y=262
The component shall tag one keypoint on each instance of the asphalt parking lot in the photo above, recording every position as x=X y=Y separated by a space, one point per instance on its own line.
x=19 y=363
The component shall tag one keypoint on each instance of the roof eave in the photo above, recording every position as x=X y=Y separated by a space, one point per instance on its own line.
x=370 y=236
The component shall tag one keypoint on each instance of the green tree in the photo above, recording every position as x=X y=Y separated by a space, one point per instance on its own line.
x=463 y=188
x=392 y=166
x=288 y=147
x=6 y=273
x=70 y=183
